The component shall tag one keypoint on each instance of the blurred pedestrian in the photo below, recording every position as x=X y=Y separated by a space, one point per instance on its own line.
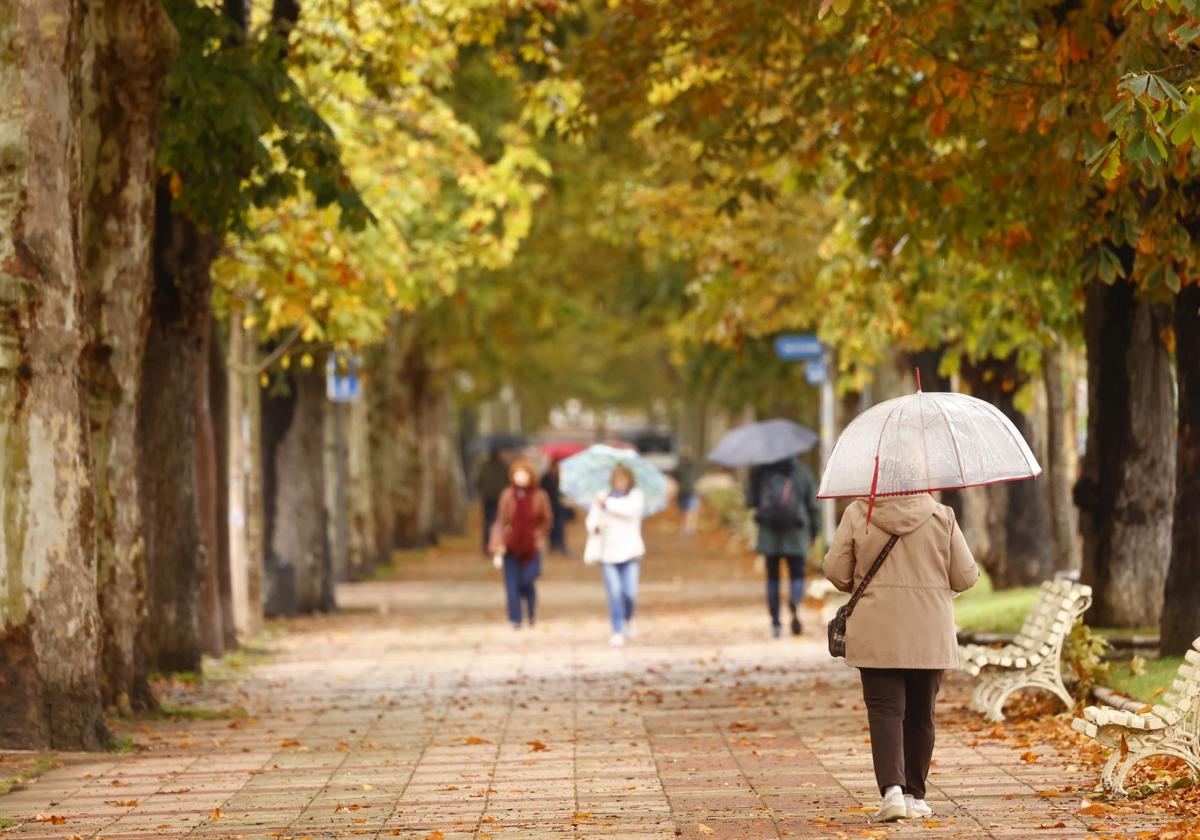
x=562 y=513
x=901 y=634
x=783 y=496
x=614 y=526
x=490 y=482
x=686 y=473
x=522 y=522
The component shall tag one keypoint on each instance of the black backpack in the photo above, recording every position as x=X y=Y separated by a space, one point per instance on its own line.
x=779 y=504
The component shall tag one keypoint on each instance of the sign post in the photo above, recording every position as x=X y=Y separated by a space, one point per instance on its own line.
x=807 y=348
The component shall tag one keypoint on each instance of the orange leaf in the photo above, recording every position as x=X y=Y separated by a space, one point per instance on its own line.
x=537 y=746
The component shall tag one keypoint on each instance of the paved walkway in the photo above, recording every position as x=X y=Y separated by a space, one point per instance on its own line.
x=418 y=713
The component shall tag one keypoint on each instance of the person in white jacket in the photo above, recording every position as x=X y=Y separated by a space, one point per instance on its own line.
x=614 y=526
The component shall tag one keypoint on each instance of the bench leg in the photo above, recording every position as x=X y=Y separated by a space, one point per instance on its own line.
x=1007 y=687
x=979 y=695
x=1174 y=751
x=1106 y=774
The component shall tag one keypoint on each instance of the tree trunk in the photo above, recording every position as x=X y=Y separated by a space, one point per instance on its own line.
x=1020 y=541
x=393 y=440
x=256 y=545
x=212 y=635
x=294 y=491
x=1125 y=496
x=929 y=363
x=1060 y=461
x=175 y=364
x=245 y=557
x=49 y=617
x=449 y=498
x=132 y=43
x=1181 y=604
x=362 y=548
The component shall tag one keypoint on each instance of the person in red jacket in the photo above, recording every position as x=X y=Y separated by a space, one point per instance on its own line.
x=523 y=519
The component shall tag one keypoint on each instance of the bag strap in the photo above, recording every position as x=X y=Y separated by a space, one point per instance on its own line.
x=887 y=549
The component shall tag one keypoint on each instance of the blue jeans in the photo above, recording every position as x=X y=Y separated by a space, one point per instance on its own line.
x=620 y=584
x=519 y=586
x=795 y=564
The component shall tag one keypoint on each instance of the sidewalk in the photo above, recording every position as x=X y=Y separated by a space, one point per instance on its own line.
x=418 y=713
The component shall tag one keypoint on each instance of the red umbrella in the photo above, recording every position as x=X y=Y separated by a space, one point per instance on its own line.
x=562 y=449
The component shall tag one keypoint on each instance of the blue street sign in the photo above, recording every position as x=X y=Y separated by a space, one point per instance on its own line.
x=814 y=372
x=801 y=347
x=341 y=378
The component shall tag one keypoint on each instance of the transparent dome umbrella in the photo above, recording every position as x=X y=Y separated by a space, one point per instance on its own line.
x=584 y=475
x=762 y=443
x=922 y=443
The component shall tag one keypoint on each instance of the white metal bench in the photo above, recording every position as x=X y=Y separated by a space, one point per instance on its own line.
x=1034 y=657
x=1170 y=728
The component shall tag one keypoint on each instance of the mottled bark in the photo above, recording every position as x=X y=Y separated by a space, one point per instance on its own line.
x=294 y=488
x=449 y=491
x=212 y=637
x=245 y=554
x=361 y=504
x=1060 y=457
x=393 y=440
x=49 y=618
x=1125 y=496
x=175 y=365
x=1020 y=545
x=218 y=398
x=1181 y=602
x=132 y=43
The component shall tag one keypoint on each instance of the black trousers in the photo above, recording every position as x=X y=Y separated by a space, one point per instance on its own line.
x=900 y=714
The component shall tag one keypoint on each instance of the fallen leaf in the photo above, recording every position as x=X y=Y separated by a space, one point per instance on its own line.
x=53 y=819
x=705 y=829
x=216 y=814
x=435 y=835
x=537 y=746
x=473 y=741
x=1029 y=757
x=1049 y=793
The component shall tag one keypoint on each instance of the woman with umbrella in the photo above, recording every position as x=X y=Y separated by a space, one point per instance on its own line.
x=616 y=521
x=782 y=494
x=622 y=489
x=904 y=557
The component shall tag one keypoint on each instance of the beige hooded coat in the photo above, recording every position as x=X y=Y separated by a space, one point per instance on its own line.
x=905 y=618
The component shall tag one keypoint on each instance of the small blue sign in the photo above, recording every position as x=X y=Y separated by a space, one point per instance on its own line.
x=801 y=347
x=341 y=378
x=814 y=372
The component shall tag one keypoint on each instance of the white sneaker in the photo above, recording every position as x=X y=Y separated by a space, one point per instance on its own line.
x=616 y=640
x=892 y=808
x=631 y=629
x=916 y=808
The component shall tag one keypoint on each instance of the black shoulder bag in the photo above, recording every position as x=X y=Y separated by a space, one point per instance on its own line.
x=837 y=627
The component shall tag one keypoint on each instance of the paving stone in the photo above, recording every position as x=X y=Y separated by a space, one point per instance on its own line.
x=419 y=711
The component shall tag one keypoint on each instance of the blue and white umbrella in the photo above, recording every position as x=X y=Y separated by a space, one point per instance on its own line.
x=583 y=476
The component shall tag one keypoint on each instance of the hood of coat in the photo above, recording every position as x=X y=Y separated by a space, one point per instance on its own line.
x=903 y=514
